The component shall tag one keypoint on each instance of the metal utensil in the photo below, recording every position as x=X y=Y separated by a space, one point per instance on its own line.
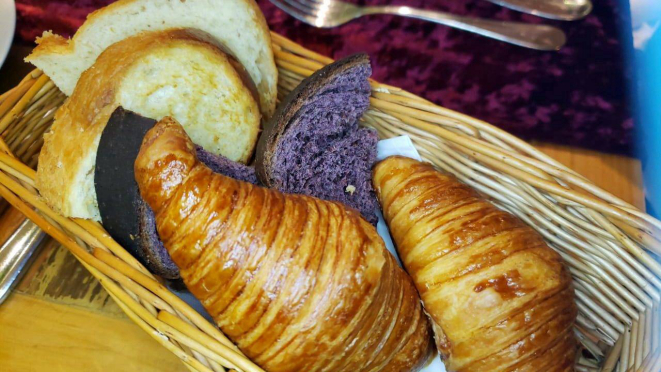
x=331 y=13
x=565 y=10
x=16 y=252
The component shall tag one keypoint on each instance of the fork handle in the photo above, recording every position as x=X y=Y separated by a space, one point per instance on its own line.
x=541 y=37
x=15 y=253
x=565 y=10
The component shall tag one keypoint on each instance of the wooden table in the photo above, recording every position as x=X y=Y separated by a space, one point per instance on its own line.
x=60 y=319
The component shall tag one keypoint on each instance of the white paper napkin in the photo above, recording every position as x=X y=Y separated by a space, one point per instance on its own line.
x=645 y=21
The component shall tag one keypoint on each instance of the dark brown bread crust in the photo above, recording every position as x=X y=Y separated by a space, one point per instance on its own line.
x=314 y=145
x=126 y=217
x=286 y=111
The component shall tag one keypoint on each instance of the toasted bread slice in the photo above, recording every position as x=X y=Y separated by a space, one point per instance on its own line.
x=171 y=73
x=238 y=25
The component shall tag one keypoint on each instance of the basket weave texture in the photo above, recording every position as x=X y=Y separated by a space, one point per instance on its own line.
x=607 y=243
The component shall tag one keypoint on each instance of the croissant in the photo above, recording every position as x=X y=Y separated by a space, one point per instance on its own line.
x=498 y=297
x=299 y=284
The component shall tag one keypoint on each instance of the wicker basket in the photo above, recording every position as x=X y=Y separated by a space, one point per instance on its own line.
x=605 y=241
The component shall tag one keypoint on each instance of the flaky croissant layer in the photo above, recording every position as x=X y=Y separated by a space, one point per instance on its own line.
x=299 y=284
x=499 y=298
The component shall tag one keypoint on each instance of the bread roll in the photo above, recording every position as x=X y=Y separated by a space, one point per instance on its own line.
x=499 y=298
x=313 y=145
x=238 y=25
x=299 y=284
x=154 y=74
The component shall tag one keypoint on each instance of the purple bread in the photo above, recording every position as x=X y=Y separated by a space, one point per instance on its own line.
x=224 y=166
x=154 y=253
x=312 y=145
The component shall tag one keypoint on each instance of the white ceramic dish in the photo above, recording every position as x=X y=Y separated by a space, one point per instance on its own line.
x=7 y=27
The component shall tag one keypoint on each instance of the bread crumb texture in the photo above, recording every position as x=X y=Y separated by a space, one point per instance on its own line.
x=237 y=25
x=156 y=74
x=201 y=90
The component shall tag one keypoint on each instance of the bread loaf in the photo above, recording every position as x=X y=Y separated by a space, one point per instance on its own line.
x=499 y=298
x=154 y=74
x=299 y=284
x=313 y=145
x=237 y=25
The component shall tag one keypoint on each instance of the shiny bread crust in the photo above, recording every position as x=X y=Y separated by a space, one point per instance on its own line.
x=499 y=298
x=299 y=284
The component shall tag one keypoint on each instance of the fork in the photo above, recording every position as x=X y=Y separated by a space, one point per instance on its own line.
x=332 y=13
x=565 y=10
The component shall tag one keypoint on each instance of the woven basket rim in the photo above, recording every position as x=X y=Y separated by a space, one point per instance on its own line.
x=605 y=241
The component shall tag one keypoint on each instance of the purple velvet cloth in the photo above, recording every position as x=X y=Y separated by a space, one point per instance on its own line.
x=577 y=96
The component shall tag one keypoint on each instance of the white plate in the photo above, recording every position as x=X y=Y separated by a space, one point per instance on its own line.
x=7 y=26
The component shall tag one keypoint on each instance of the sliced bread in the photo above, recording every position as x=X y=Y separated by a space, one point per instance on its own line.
x=237 y=25
x=170 y=73
x=313 y=145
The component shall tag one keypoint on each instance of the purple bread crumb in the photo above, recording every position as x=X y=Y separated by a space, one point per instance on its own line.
x=153 y=248
x=324 y=153
x=154 y=252
x=224 y=166
x=343 y=173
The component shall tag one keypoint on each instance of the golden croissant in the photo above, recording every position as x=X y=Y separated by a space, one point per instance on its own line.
x=499 y=298
x=299 y=284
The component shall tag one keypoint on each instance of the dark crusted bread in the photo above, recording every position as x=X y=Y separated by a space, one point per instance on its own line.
x=313 y=146
x=124 y=214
